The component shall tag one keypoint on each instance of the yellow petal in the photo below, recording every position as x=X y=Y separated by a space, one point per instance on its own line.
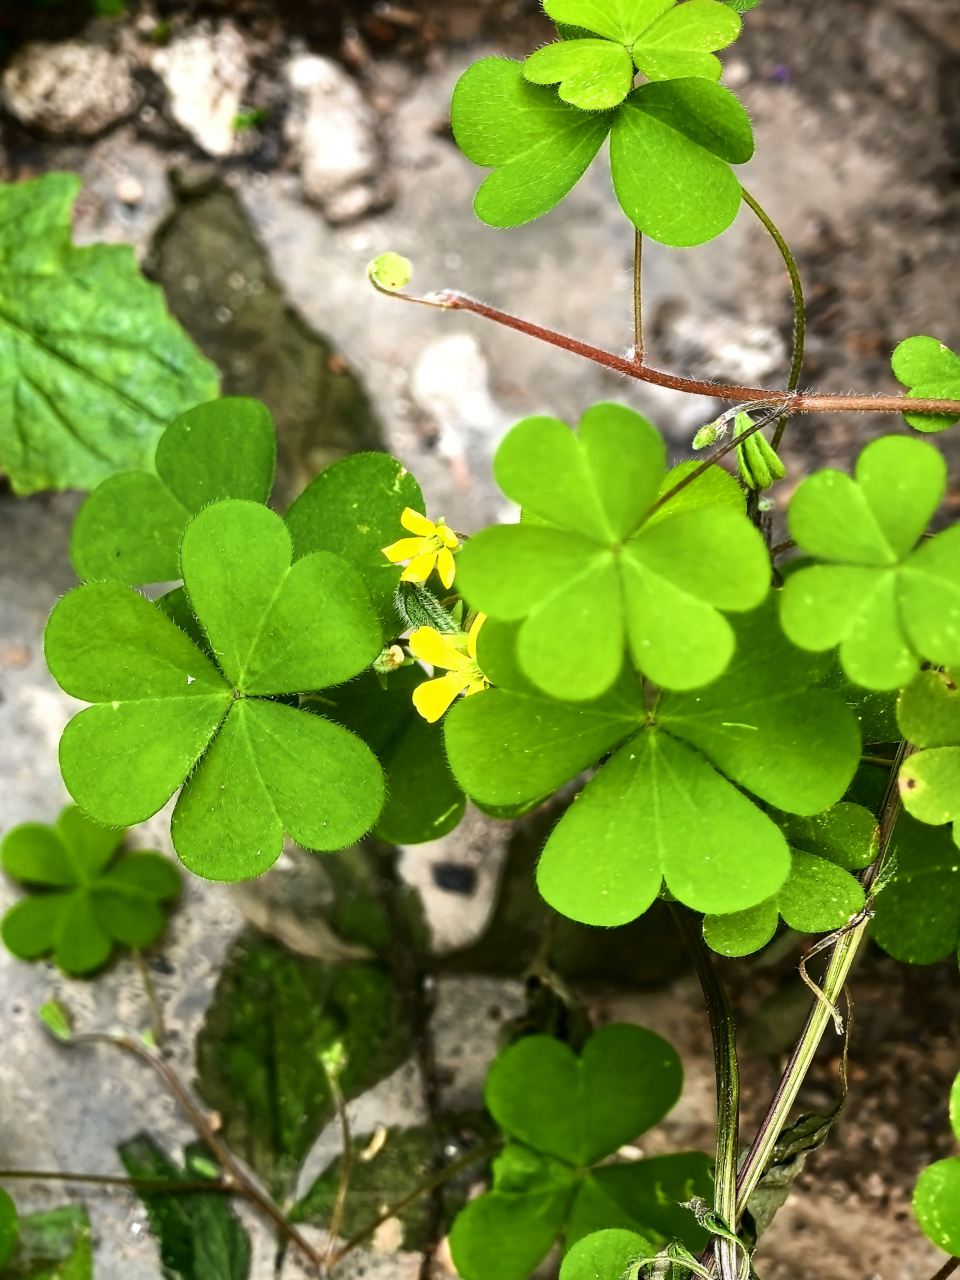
x=446 y=567
x=430 y=646
x=433 y=697
x=417 y=523
x=477 y=684
x=420 y=567
x=447 y=537
x=405 y=549
x=478 y=622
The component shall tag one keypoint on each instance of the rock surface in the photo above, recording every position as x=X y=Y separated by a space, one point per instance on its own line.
x=205 y=72
x=69 y=88
x=331 y=129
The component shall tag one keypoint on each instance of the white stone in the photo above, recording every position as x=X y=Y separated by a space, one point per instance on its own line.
x=331 y=130
x=205 y=72
x=70 y=87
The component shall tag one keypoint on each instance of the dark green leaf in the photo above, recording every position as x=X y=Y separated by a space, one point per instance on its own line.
x=819 y=896
x=846 y=834
x=199 y=1235
x=931 y=371
x=646 y=1195
x=786 y=1163
x=93 y=366
x=741 y=933
x=258 y=1054
x=353 y=509
x=423 y=800
x=53 y=1246
x=917 y=916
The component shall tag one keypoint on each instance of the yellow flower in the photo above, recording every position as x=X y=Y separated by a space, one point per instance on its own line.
x=433 y=545
x=458 y=654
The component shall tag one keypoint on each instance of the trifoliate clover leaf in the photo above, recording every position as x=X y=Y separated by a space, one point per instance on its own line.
x=563 y=1114
x=668 y=805
x=936 y=1197
x=423 y=799
x=353 y=509
x=167 y=716
x=671 y=148
x=129 y=529
x=92 y=365
x=931 y=371
x=917 y=916
x=663 y=40
x=90 y=896
x=817 y=897
x=591 y=577
x=887 y=605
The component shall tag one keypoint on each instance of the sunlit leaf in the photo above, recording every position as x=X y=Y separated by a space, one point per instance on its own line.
x=931 y=371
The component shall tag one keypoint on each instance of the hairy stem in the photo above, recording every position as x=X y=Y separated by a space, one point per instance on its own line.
x=637 y=297
x=710 y=461
x=724 y=1032
x=242 y=1181
x=425 y=1188
x=841 y=961
x=788 y=401
x=799 y=310
x=114 y=1180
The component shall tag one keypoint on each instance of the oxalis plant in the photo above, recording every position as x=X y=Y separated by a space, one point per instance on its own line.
x=749 y=733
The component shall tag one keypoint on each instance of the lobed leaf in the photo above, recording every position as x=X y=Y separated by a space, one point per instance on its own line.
x=648 y=1196
x=917 y=916
x=928 y=709
x=92 y=365
x=593 y=75
x=604 y=1255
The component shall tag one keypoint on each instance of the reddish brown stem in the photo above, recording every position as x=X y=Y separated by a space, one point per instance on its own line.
x=791 y=401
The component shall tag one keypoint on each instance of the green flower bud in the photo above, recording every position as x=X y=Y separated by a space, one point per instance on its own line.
x=706 y=436
x=390 y=271
x=419 y=607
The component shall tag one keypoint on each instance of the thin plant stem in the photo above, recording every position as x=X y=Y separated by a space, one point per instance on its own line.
x=948 y=1268
x=346 y=1164
x=788 y=401
x=114 y=1180
x=799 y=310
x=724 y=1032
x=638 y=297
x=841 y=961
x=156 y=1011
x=242 y=1181
x=431 y=1184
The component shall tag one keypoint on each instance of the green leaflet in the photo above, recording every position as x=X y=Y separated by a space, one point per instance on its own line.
x=917 y=916
x=258 y=1053
x=92 y=366
x=928 y=712
x=931 y=371
x=818 y=897
x=53 y=1246
x=129 y=528
x=887 y=605
x=199 y=1235
x=90 y=896
x=672 y=143
x=563 y=1113
x=9 y=1228
x=845 y=834
x=591 y=578
x=592 y=74
x=164 y=715
x=662 y=807
x=936 y=1198
x=353 y=509
x=604 y=1255
x=423 y=799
